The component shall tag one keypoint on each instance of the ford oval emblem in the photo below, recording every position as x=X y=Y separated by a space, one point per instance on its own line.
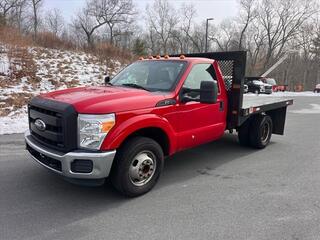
x=40 y=125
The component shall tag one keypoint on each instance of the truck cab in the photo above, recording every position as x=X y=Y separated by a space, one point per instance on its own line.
x=152 y=109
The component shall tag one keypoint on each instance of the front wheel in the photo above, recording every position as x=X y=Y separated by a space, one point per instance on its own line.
x=137 y=166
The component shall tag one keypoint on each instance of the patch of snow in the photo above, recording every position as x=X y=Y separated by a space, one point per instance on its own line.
x=4 y=61
x=4 y=64
x=15 y=122
x=48 y=70
x=21 y=87
x=315 y=109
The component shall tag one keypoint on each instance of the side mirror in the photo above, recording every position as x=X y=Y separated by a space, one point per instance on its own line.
x=208 y=92
x=106 y=79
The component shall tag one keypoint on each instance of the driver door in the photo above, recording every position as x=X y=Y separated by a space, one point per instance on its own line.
x=199 y=123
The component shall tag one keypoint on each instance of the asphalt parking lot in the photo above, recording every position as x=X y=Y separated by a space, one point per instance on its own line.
x=216 y=191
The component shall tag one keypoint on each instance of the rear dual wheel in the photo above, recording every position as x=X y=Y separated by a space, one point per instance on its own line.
x=256 y=132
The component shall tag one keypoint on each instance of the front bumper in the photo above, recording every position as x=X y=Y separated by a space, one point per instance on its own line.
x=268 y=91
x=61 y=162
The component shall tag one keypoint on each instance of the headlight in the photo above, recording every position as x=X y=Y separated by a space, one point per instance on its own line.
x=92 y=129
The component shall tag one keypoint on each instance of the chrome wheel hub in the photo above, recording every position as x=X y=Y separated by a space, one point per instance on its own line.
x=265 y=132
x=142 y=168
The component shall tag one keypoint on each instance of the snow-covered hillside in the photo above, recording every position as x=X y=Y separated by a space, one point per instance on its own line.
x=26 y=72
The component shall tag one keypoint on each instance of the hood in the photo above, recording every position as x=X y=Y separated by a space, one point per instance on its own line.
x=260 y=83
x=105 y=99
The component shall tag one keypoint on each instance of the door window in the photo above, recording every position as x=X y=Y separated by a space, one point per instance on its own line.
x=200 y=72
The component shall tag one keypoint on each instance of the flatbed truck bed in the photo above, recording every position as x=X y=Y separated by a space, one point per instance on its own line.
x=255 y=104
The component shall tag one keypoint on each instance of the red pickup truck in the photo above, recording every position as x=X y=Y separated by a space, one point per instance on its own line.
x=152 y=109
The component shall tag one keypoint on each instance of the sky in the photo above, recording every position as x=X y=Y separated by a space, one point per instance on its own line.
x=217 y=9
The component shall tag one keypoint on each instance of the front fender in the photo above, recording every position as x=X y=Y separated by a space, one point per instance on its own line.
x=116 y=137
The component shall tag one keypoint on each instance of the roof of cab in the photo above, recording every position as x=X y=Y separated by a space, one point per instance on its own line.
x=188 y=59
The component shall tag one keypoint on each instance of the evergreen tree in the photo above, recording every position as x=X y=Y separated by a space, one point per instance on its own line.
x=139 y=47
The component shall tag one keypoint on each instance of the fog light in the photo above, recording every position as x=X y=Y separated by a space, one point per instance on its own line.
x=82 y=166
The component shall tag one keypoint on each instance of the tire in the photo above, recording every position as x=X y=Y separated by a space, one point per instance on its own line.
x=260 y=131
x=137 y=167
x=243 y=134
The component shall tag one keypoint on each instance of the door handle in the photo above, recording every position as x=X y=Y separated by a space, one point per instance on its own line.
x=221 y=107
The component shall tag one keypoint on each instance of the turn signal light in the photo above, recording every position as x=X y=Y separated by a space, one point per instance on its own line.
x=106 y=126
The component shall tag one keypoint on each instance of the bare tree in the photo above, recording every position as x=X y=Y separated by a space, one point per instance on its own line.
x=113 y=13
x=255 y=45
x=225 y=35
x=55 y=22
x=247 y=14
x=85 y=22
x=305 y=39
x=20 y=14
x=36 y=4
x=5 y=7
x=187 y=26
x=152 y=41
x=281 y=20
x=162 y=21
x=116 y=14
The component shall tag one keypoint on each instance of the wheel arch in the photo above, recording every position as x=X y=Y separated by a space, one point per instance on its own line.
x=153 y=127
x=155 y=133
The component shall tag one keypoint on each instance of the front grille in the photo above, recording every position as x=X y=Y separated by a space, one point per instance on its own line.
x=48 y=161
x=46 y=140
x=60 y=124
x=53 y=134
x=46 y=111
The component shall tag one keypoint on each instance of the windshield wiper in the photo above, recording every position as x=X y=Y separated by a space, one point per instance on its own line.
x=133 y=85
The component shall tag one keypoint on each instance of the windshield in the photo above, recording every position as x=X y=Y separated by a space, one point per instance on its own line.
x=150 y=75
x=258 y=82
x=271 y=81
